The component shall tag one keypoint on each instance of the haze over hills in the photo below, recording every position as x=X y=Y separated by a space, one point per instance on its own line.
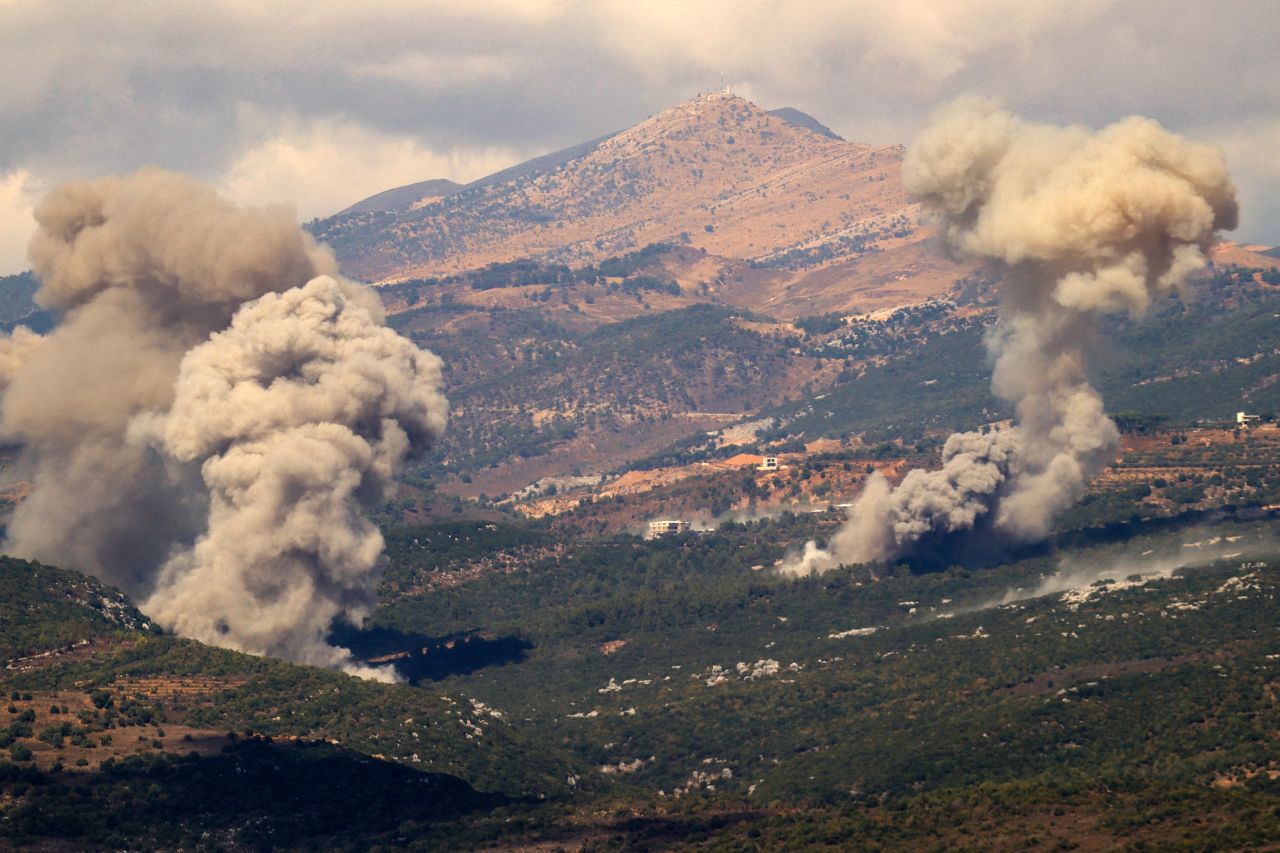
x=776 y=189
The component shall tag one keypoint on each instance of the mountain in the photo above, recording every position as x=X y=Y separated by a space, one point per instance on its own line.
x=573 y=377
x=424 y=191
x=714 y=276
x=778 y=191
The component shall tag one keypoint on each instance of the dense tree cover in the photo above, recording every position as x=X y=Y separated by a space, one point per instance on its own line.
x=822 y=324
x=635 y=271
x=1110 y=705
x=48 y=609
x=614 y=378
x=1202 y=359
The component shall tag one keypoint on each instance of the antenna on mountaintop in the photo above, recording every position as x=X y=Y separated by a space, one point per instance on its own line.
x=724 y=90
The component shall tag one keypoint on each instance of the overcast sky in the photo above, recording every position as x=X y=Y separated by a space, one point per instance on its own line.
x=318 y=104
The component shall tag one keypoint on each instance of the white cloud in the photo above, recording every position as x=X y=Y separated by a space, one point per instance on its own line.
x=326 y=165
x=435 y=72
x=914 y=45
x=1253 y=156
x=19 y=192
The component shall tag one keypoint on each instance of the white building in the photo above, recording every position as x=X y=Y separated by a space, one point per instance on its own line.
x=1245 y=421
x=768 y=463
x=664 y=526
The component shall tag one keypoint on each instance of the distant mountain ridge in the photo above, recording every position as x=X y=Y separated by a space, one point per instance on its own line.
x=405 y=196
x=793 y=116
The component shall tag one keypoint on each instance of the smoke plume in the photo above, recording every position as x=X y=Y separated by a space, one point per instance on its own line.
x=213 y=416
x=1084 y=224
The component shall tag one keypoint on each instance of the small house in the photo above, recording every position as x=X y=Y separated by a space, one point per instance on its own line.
x=664 y=526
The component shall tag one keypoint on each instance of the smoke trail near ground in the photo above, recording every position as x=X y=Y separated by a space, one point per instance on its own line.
x=1084 y=224
x=1132 y=565
x=213 y=416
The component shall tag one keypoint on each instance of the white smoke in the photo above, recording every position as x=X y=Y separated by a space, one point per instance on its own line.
x=16 y=349
x=1084 y=224
x=1132 y=565
x=213 y=418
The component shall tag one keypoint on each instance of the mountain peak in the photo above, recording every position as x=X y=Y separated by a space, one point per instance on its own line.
x=715 y=172
x=722 y=108
x=719 y=117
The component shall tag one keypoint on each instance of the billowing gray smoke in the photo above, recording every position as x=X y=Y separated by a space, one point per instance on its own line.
x=214 y=415
x=1084 y=224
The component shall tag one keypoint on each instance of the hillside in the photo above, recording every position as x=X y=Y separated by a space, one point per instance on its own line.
x=673 y=695
x=586 y=372
x=17 y=305
x=565 y=293
x=568 y=684
x=716 y=173
x=154 y=732
x=571 y=379
x=542 y=398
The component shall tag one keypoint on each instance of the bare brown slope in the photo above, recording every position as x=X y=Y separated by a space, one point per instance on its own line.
x=1244 y=255
x=906 y=274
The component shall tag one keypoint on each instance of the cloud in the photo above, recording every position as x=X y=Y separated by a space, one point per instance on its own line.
x=330 y=164
x=908 y=44
x=1253 y=150
x=214 y=418
x=212 y=88
x=18 y=195
x=437 y=72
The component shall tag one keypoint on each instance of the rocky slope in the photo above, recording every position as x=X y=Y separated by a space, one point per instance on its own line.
x=715 y=173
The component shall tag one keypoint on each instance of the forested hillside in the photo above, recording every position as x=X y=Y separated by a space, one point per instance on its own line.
x=672 y=693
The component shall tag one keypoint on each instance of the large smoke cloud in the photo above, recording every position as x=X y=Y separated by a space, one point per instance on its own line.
x=213 y=416
x=1085 y=224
